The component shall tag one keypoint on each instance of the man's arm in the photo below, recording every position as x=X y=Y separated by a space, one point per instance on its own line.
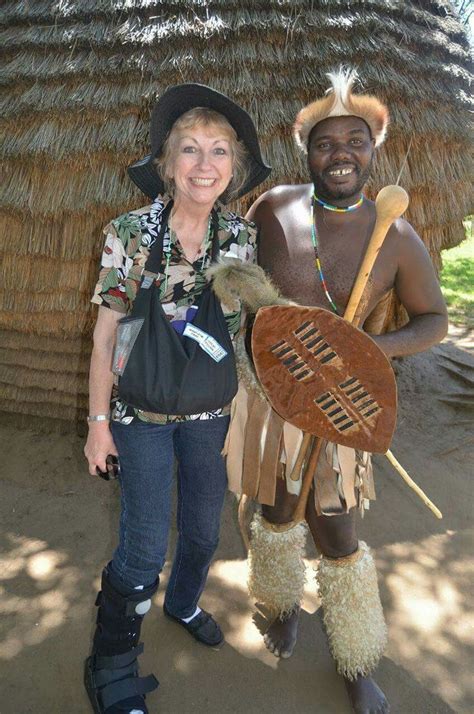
x=261 y=213
x=272 y=247
x=417 y=288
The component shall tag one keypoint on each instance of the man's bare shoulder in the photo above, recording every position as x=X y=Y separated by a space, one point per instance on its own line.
x=404 y=249
x=404 y=237
x=277 y=198
x=287 y=192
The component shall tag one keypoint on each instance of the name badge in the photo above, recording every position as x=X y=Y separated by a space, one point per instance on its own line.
x=206 y=342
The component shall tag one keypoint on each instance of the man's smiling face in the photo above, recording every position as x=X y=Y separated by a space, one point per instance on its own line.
x=340 y=151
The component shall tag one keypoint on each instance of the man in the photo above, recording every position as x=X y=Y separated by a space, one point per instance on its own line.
x=312 y=240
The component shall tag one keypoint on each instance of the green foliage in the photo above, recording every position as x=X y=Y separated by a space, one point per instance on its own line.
x=457 y=280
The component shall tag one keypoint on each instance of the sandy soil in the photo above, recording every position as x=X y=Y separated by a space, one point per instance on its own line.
x=59 y=529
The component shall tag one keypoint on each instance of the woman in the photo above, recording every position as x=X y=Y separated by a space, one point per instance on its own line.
x=204 y=147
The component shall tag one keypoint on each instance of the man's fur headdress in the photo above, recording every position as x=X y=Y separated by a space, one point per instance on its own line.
x=339 y=101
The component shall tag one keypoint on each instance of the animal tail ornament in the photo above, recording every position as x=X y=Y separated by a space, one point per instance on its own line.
x=232 y=279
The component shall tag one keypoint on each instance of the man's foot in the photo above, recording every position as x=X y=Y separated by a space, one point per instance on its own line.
x=366 y=697
x=280 y=638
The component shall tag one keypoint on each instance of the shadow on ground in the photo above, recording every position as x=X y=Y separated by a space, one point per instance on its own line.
x=58 y=531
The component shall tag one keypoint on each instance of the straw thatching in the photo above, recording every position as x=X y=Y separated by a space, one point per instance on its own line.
x=77 y=82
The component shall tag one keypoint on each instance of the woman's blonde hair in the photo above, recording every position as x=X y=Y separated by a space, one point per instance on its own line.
x=202 y=116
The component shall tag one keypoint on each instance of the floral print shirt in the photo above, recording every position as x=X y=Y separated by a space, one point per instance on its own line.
x=127 y=247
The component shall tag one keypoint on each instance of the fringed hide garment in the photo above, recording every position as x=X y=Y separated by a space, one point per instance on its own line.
x=261 y=446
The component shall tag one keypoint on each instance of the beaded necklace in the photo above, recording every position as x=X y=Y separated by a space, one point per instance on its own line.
x=338 y=209
x=314 y=239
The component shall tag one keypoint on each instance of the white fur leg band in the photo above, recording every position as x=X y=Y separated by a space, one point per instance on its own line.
x=277 y=571
x=352 y=612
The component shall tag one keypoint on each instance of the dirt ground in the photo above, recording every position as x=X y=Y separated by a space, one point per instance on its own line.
x=59 y=529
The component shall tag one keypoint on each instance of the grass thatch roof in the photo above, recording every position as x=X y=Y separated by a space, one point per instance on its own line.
x=76 y=85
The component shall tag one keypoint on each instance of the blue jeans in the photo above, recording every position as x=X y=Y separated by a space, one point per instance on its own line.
x=146 y=453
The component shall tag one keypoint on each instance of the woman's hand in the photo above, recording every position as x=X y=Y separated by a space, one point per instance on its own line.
x=98 y=446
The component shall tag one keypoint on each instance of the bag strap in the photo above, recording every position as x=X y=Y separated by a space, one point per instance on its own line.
x=152 y=269
x=141 y=304
x=153 y=263
x=215 y=236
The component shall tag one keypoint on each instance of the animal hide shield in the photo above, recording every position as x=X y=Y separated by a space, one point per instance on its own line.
x=325 y=376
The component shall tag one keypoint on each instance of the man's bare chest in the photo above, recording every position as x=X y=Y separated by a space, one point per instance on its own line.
x=308 y=280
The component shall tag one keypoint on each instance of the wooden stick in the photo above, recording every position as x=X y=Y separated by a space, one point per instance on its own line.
x=242 y=512
x=305 y=444
x=390 y=203
x=408 y=480
x=300 y=510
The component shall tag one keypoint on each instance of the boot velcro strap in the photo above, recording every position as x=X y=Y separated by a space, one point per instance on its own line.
x=107 y=676
x=125 y=605
x=130 y=607
x=116 y=624
x=117 y=661
x=133 y=686
x=110 y=593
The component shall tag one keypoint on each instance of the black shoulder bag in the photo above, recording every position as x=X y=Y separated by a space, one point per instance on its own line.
x=168 y=373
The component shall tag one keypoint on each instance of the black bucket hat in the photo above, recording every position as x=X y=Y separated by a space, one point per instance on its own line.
x=177 y=101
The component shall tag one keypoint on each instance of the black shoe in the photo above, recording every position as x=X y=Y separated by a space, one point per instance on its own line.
x=203 y=628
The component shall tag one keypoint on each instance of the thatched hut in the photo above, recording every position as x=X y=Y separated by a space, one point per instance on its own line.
x=78 y=79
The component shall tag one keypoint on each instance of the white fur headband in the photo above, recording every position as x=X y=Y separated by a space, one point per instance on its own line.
x=339 y=101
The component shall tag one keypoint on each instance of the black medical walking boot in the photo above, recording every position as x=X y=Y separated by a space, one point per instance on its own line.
x=111 y=672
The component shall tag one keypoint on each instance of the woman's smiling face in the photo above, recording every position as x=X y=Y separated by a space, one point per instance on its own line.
x=202 y=167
